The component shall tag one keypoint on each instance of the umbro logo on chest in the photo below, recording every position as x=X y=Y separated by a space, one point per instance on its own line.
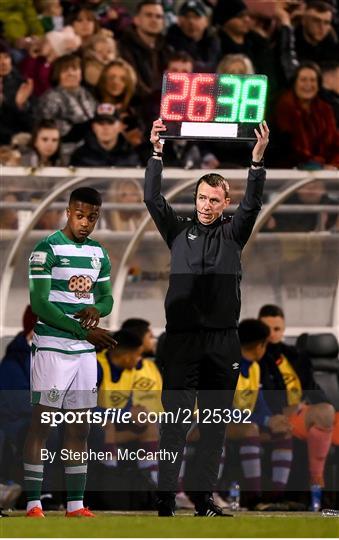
x=192 y=236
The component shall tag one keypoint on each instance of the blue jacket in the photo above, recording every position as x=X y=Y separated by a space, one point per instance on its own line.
x=15 y=380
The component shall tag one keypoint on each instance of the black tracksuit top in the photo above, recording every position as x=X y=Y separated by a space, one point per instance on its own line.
x=204 y=283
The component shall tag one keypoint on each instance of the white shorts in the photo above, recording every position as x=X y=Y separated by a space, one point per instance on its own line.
x=64 y=381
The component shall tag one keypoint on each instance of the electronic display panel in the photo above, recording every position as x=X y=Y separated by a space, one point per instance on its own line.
x=212 y=106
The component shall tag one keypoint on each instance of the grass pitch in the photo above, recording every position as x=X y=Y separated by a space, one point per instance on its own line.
x=129 y=525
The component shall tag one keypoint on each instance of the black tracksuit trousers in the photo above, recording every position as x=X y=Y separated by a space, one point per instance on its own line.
x=200 y=365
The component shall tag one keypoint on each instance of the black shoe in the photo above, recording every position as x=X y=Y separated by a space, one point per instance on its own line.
x=209 y=509
x=166 y=508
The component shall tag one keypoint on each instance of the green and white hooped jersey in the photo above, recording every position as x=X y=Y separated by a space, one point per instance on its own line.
x=74 y=270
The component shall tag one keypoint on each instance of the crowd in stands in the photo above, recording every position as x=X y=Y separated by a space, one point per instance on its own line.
x=276 y=384
x=80 y=85
x=62 y=59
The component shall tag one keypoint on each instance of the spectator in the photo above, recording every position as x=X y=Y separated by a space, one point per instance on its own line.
x=313 y=193
x=145 y=48
x=330 y=88
x=112 y=14
x=237 y=64
x=9 y=156
x=104 y=145
x=100 y=51
x=37 y=64
x=69 y=103
x=235 y=31
x=253 y=337
x=180 y=62
x=51 y=14
x=15 y=98
x=306 y=123
x=316 y=40
x=84 y=23
x=9 y=216
x=117 y=85
x=50 y=220
x=125 y=191
x=20 y=21
x=310 y=415
x=44 y=145
x=193 y=35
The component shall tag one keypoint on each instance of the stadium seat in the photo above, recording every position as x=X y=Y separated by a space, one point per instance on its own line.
x=322 y=350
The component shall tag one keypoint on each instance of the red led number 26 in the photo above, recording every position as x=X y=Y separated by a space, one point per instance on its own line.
x=200 y=108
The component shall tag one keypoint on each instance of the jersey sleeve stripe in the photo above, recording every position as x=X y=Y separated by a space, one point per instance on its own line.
x=39 y=276
x=103 y=279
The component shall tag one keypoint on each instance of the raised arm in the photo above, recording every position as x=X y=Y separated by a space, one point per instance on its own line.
x=246 y=214
x=162 y=213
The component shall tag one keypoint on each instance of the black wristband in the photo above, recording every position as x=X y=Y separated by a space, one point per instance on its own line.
x=258 y=163
x=157 y=154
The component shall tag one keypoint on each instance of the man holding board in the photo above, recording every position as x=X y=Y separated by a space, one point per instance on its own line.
x=201 y=349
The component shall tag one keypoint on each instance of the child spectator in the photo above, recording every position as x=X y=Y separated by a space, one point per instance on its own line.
x=69 y=103
x=100 y=51
x=37 y=64
x=85 y=24
x=44 y=145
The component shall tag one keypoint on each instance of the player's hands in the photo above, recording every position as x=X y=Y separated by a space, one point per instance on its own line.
x=262 y=141
x=89 y=317
x=157 y=127
x=101 y=338
x=279 y=424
